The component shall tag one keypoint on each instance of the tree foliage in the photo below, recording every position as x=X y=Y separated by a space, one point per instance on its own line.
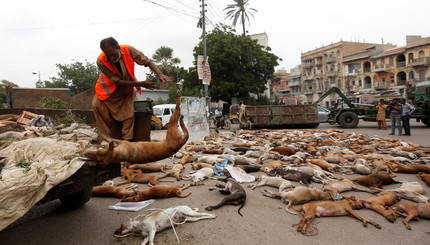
x=239 y=10
x=77 y=76
x=163 y=58
x=4 y=84
x=239 y=65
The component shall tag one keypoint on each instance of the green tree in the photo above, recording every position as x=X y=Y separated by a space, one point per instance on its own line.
x=239 y=10
x=5 y=85
x=77 y=76
x=163 y=58
x=239 y=65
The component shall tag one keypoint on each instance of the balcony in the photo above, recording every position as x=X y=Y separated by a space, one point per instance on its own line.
x=353 y=73
x=401 y=64
x=308 y=77
x=318 y=62
x=382 y=85
x=294 y=83
x=366 y=69
x=383 y=68
x=423 y=61
x=332 y=73
x=401 y=82
x=307 y=65
x=330 y=59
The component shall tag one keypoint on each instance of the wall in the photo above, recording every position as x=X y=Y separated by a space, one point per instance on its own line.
x=31 y=97
x=82 y=101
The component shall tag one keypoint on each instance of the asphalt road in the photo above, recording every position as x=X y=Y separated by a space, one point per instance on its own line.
x=264 y=219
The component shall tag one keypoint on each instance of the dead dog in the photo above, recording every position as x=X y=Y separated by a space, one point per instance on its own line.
x=302 y=178
x=159 y=221
x=237 y=195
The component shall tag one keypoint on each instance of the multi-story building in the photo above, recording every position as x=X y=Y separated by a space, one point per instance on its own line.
x=396 y=68
x=322 y=68
x=294 y=80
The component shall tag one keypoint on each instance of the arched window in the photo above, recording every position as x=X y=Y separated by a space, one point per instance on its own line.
x=411 y=75
x=421 y=54
x=338 y=67
x=338 y=54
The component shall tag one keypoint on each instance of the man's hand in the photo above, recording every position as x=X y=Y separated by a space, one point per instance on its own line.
x=147 y=84
x=163 y=78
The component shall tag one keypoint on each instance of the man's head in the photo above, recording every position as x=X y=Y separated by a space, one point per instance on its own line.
x=111 y=49
x=381 y=101
x=402 y=100
x=395 y=101
x=217 y=108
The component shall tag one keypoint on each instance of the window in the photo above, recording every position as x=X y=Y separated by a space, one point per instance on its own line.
x=166 y=111
x=382 y=62
x=392 y=78
x=391 y=60
x=338 y=54
x=383 y=78
x=360 y=83
x=411 y=75
x=353 y=82
x=421 y=54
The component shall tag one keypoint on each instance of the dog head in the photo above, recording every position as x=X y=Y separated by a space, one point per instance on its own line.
x=125 y=228
x=104 y=155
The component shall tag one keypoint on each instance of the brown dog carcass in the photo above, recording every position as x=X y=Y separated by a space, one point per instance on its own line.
x=329 y=209
x=113 y=191
x=413 y=211
x=136 y=176
x=158 y=191
x=277 y=182
x=424 y=177
x=145 y=151
x=375 y=180
x=382 y=200
x=298 y=195
x=149 y=167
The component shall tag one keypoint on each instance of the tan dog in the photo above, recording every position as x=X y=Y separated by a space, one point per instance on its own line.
x=198 y=166
x=113 y=191
x=145 y=151
x=277 y=182
x=156 y=222
x=378 y=204
x=149 y=167
x=344 y=185
x=332 y=168
x=424 y=177
x=272 y=165
x=158 y=191
x=283 y=150
x=413 y=211
x=137 y=176
x=175 y=171
x=375 y=180
x=331 y=208
x=408 y=169
x=299 y=195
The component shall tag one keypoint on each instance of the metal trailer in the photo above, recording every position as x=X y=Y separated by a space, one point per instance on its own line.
x=280 y=116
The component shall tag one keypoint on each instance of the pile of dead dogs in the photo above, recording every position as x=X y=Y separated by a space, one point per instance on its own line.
x=291 y=160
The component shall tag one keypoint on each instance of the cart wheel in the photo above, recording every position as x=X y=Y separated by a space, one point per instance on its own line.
x=348 y=119
x=154 y=126
x=426 y=121
x=235 y=121
x=77 y=199
x=227 y=125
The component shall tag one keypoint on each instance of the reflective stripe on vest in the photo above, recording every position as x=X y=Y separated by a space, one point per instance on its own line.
x=102 y=82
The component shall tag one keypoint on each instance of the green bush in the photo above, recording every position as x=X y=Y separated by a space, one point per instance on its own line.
x=49 y=102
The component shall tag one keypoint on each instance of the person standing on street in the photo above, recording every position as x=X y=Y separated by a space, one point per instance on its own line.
x=407 y=110
x=114 y=93
x=380 y=117
x=395 y=116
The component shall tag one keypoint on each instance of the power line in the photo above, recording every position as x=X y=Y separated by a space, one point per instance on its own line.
x=171 y=8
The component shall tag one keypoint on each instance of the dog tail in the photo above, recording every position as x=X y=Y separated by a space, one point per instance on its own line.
x=241 y=206
x=165 y=180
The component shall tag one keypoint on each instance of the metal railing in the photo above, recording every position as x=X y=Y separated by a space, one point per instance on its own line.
x=401 y=64
x=425 y=61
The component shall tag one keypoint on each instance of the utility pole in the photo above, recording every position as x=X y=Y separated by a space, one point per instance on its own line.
x=204 y=44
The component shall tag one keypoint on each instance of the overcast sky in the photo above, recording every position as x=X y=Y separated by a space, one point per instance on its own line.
x=37 y=34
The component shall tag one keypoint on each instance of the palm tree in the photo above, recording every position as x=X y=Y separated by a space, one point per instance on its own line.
x=239 y=9
x=163 y=57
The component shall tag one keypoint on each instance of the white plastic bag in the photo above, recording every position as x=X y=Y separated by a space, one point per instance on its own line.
x=131 y=206
x=239 y=174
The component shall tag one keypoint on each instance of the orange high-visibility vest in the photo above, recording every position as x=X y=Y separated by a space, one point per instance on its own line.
x=104 y=88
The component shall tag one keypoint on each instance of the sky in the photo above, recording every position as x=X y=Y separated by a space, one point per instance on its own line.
x=35 y=35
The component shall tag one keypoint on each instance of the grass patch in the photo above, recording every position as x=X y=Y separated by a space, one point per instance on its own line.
x=25 y=165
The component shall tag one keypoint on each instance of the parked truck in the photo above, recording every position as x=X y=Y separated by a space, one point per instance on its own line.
x=349 y=115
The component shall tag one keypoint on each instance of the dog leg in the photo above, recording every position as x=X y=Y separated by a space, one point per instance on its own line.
x=411 y=215
x=288 y=208
x=365 y=221
x=151 y=236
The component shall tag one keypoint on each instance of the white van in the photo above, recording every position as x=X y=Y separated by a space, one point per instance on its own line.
x=163 y=112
